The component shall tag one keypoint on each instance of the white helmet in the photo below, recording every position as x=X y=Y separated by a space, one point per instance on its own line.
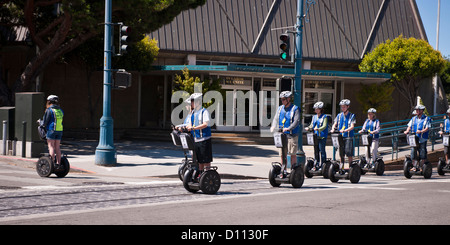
x=372 y=110
x=318 y=105
x=448 y=111
x=344 y=102
x=53 y=98
x=195 y=96
x=285 y=94
x=420 y=107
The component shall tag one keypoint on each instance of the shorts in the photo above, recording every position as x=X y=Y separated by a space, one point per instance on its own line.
x=347 y=150
x=292 y=145
x=203 y=150
x=54 y=135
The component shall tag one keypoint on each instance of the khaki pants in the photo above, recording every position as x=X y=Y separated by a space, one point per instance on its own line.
x=292 y=146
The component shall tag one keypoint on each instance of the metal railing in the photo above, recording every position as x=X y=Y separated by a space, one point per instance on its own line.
x=393 y=132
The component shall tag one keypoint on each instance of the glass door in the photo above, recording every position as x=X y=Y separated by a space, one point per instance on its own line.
x=236 y=111
x=311 y=97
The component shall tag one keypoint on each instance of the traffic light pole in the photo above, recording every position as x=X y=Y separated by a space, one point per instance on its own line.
x=298 y=78
x=105 y=154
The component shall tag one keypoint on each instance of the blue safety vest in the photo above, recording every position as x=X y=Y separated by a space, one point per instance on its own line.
x=317 y=122
x=196 y=118
x=419 y=124
x=447 y=126
x=371 y=126
x=344 y=123
x=286 y=118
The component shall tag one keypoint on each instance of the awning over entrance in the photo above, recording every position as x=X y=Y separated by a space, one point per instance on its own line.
x=252 y=70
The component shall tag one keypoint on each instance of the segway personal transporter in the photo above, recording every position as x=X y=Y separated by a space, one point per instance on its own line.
x=425 y=170
x=335 y=172
x=310 y=169
x=296 y=176
x=208 y=180
x=444 y=167
x=45 y=166
x=378 y=166
x=175 y=135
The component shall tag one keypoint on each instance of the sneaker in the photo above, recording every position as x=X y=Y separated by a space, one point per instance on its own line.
x=283 y=175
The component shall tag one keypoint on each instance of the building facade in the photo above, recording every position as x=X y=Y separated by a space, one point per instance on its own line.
x=238 y=42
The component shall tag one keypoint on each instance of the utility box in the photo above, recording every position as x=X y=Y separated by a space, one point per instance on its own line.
x=29 y=108
x=7 y=113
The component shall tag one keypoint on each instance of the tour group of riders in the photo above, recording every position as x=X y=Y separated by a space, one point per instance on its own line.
x=287 y=119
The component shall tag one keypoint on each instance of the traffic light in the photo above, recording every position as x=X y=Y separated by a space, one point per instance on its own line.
x=285 y=47
x=124 y=39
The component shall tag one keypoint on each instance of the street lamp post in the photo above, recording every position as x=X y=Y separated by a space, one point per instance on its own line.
x=105 y=154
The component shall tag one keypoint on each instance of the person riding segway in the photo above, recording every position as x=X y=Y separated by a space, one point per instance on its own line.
x=417 y=135
x=444 y=163
x=317 y=136
x=51 y=129
x=200 y=175
x=345 y=124
x=370 y=138
x=287 y=119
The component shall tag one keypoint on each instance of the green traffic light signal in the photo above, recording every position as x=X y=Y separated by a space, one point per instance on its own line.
x=285 y=46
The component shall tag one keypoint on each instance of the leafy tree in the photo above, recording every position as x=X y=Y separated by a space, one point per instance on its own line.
x=378 y=96
x=408 y=60
x=186 y=82
x=59 y=26
x=445 y=76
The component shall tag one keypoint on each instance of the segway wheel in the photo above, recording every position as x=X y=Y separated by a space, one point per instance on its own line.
x=210 y=182
x=182 y=169
x=297 y=177
x=44 y=166
x=188 y=179
x=407 y=165
x=273 y=173
x=334 y=167
x=362 y=163
x=379 y=167
x=325 y=169
x=64 y=169
x=440 y=167
x=354 y=173
x=427 y=170
x=308 y=166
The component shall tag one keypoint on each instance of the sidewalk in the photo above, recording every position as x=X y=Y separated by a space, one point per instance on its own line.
x=143 y=159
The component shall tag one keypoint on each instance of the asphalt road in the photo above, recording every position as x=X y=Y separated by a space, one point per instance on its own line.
x=389 y=200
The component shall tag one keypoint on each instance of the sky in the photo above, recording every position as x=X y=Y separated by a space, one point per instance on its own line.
x=428 y=12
